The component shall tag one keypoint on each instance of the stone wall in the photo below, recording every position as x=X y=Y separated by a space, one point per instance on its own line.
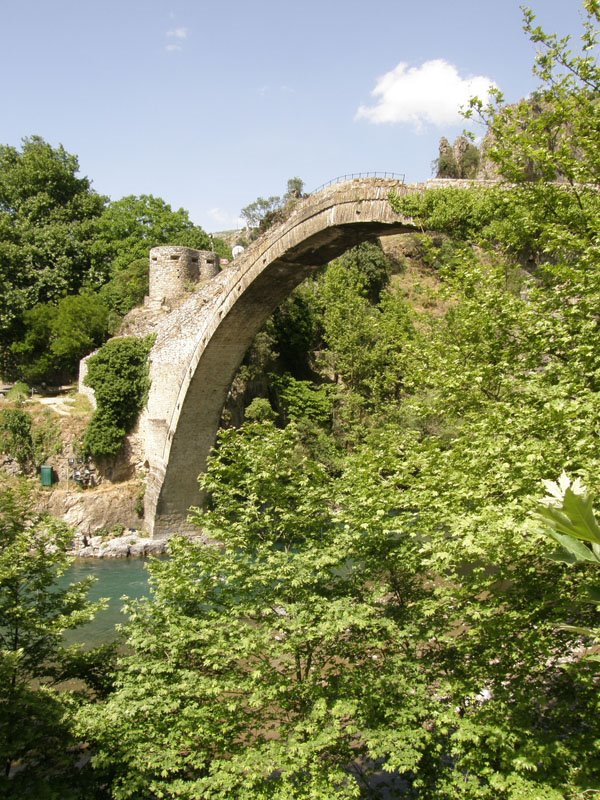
x=86 y=391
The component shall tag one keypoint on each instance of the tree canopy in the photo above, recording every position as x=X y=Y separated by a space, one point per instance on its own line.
x=36 y=719
x=380 y=615
x=265 y=212
x=131 y=226
x=48 y=224
x=72 y=263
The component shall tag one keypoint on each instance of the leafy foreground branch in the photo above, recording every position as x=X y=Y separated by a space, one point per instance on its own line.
x=331 y=649
x=569 y=518
x=38 y=747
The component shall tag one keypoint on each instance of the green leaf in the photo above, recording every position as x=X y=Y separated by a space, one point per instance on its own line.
x=575 y=517
x=593 y=592
x=574 y=549
x=578 y=629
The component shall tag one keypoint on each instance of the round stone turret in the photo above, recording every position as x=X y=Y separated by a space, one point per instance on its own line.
x=174 y=270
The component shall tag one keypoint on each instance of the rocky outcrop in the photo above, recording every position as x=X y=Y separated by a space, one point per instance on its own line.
x=95 y=511
x=131 y=544
x=459 y=160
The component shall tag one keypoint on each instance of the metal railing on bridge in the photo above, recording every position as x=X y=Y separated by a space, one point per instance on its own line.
x=353 y=175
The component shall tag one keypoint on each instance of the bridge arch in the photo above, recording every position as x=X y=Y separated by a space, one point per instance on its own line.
x=201 y=344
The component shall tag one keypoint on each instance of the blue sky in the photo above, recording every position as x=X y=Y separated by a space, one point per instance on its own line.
x=210 y=104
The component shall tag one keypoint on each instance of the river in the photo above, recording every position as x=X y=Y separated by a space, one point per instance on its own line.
x=115 y=577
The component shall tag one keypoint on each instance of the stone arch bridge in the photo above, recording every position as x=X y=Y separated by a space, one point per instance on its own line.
x=201 y=342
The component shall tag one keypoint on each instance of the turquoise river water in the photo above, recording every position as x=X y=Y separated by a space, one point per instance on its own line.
x=115 y=577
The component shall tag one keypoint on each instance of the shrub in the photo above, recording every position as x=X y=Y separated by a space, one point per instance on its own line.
x=259 y=410
x=18 y=392
x=303 y=400
x=28 y=442
x=16 y=436
x=118 y=374
x=46 y=438
x=103 y=436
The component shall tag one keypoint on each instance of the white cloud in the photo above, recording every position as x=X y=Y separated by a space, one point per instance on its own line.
x=225 y=219
x=218 y=215
x=175 y=38
x=178 y=33
x=430 y=94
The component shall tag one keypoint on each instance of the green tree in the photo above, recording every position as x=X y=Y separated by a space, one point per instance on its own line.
x=261 y=214
x=28 y=442
x=392 y=626
x=126 y=289
x=461 y=160
x=79 y=327
x=48 y=226
x=59 y=243
x=468 y=157
x=30 y=353
x=553 y=134
x=271 y=656
x=16 y=437
x=303 y=400
x=346 y=636
x=365 y=341
x=296 y=329
x=220 y=247
x=445 y=164
x=131 y=226
x=547 y=144
x=128 y=230
x=548 y=221
x=58 y=336
x=35 y=718
x=295 y=189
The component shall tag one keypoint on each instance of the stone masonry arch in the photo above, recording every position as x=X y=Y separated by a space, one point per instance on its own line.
x=200 y=345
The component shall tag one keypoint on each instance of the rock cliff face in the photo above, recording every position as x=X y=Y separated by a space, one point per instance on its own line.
x=463 y=160
x=104 y=520
x=104 y=509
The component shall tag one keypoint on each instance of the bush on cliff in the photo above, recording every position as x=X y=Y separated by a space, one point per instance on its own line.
x=118 y=374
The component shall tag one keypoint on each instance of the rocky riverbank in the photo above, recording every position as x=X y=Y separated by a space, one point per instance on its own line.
x=130 y=544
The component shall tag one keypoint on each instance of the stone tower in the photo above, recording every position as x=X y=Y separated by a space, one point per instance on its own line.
x=175 y=270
